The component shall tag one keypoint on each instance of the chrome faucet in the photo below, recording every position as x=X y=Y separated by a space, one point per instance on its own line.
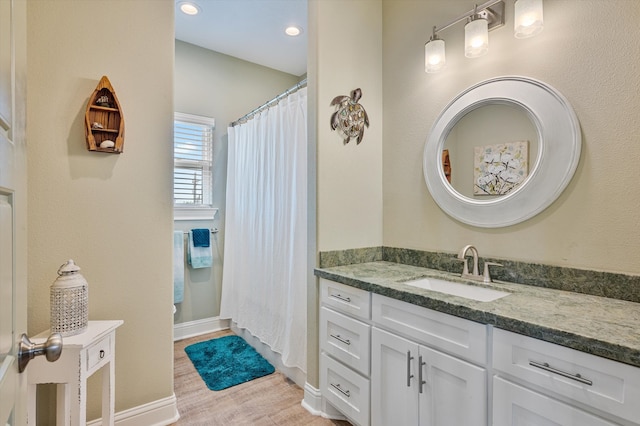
x=475 y=275
x=463 y=257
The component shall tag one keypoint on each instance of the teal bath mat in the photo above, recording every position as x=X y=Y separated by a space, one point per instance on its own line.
x=227 y=361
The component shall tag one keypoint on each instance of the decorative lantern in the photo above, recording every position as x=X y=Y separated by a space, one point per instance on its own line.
x=69 y=301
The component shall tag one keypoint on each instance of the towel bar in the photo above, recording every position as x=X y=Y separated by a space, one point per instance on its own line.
x=213 y=231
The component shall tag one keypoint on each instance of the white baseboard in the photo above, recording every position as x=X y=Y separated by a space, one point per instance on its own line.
x=316 y=405
x=198 y=327
x=312 y=400
x=162 y=412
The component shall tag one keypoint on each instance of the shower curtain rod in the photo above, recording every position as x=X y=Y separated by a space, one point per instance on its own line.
x=266 y=105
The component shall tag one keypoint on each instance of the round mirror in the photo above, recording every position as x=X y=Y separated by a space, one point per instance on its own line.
x=502 y=151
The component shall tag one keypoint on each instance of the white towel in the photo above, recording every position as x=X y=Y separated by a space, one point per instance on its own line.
x=178 y=266
x=199 y=257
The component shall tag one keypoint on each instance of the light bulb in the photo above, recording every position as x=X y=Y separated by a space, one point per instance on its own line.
x=293 y=31
x=189 y=8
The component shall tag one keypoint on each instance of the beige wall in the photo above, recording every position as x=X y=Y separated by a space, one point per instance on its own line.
x=112 y=214
x=215 y=85
x=589 y=52
x=349 y=176
x=345 y=41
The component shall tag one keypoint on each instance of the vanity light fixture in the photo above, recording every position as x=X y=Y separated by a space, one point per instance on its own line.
x=434 y=54
x=528 y=18
x=480 y=20
x=476 y=35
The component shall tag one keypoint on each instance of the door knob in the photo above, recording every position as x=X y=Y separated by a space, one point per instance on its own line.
x=28 y=350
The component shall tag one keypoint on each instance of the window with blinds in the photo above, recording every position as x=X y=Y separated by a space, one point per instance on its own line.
x=193 y=158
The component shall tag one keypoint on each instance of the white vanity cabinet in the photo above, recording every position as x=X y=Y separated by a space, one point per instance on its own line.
x=345 y=333
x=388 y=362
x=540 y=383
x=416 y=384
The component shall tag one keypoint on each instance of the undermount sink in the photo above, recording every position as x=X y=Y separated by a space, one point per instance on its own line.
x=481 y=294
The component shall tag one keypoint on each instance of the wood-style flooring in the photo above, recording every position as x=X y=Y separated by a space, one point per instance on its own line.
x=267 y=401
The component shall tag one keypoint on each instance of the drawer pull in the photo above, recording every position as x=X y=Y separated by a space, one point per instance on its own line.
x=545 y=366
x=409 y=375
x=337 y=337
x=344 y=392
x=340 y=297
x=101 y=353
x=422 y=382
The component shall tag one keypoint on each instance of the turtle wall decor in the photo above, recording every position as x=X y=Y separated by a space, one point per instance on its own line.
x=350 y=117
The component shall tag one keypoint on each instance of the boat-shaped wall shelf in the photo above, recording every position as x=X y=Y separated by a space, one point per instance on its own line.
x=104 y=121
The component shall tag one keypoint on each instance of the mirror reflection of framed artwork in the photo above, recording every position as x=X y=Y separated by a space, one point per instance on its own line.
x=499 y=168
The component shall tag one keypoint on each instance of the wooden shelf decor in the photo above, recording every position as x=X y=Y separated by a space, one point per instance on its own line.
x=104 y=121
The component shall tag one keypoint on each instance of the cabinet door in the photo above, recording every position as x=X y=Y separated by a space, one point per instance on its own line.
x=514 y=405
x=453 y=392
x=394 y=376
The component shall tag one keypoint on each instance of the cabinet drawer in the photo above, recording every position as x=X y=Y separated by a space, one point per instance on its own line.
x=98 y=354
x=514 y=405
x=606 y=385
x=346 y=339
x=350 y=300
x=457 y=336
x=345 y=389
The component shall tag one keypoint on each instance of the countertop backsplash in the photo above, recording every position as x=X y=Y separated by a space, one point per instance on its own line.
x=596 y=283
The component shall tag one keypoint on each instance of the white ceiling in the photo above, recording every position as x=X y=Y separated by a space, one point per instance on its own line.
x=252 y=30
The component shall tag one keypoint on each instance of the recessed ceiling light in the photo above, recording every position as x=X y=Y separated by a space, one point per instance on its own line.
x=293 y=31
x=189 y=8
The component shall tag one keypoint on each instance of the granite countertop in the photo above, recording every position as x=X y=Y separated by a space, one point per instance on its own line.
x=597 y=325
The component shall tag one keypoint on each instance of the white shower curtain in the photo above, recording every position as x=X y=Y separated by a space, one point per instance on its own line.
x=264 y=275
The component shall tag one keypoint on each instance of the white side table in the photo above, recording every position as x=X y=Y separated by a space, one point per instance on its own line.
x=82 y=355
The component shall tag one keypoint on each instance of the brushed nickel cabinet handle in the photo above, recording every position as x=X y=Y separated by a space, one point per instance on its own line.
x=340 y=339
x=545 y=366
x=409 y=375
x=339 y=389
x=421 y=364
x=340 y=297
